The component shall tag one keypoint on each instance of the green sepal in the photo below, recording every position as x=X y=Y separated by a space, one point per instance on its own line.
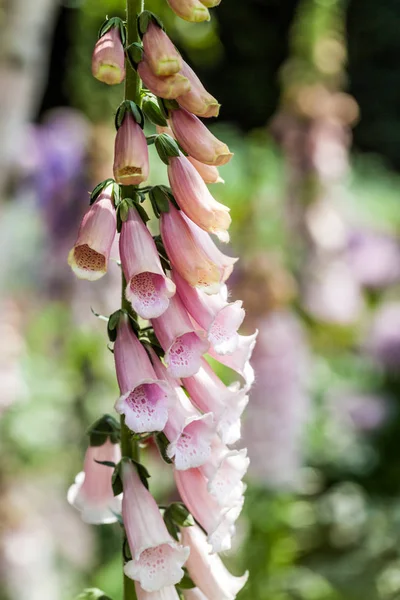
x=128 y=106
x=162 y=444
x=92 y=594
x=112 y=325
x=163 y=107
x=103 y=428
x=153 y=113
x=186 y=583
x=166 y=147
x=170 y=525
x=166 y=265
x=134 y=53
x=180 y=514
x=99 y=188
x=114 y=22
x=144 y=20
x=116 y=481
x=170 y=104
x=106 y=463
x=160 y=197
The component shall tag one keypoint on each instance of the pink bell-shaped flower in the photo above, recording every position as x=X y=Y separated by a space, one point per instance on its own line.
x=166 y=593
x=194 y=594
x=195 y=200
x=219 y=318
x=108 y=60
x=183 y=345
x=224 y=470
x=197 y=100
x=192 y=252
x=157 y=559
x=148 y=288
x=91 y=253
x=169 y=87
x=239 y=360
x=207 y=570
x=92 y=493
x=131 y=156
x=162 y=56
x=197 y=140
x=190 y=10
x=144 y=397
x=208 y=173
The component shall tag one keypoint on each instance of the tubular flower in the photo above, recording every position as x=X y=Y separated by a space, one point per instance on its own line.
x=197 y=100
x=91 y=253
x=166 y=593
x=209 y=173
x=219 y=318
x=188 y=431
x=108 y=60
x=197 y=140
x=144 y=398
x=190 y=10
x=239 y=360
x=162 y=56
x=225 y=470
x=183 y=345
x=210 y=394
x=92 y=493
x=148 y=288
x=193 y=253
x=156 y=558
x=194 y=594
x=207 y=570
x=193 y=197
x=131 y=157
x=169 y=87
x=217 y=521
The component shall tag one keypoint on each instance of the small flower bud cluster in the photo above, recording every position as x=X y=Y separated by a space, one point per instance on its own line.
x=176 y=283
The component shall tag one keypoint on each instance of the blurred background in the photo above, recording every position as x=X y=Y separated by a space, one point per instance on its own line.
x=310 y=93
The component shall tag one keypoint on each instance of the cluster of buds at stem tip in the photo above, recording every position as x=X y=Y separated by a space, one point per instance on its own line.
x=175 y=312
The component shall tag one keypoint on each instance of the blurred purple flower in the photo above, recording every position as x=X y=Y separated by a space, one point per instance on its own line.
x=363 y=412
x=383 y=342
x=374 y=258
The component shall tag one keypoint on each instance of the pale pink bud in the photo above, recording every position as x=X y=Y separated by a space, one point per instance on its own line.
x=217 y=521
x=188 y=431
x=210 y=394
x=197 y=101
x=209 y=173
x=190 y=10
x=225 y=470
x=144 y=398
x=92 y=493
x=197 y=140
x=156 y=558
x=162 y=56
x=183 y=345
x=148 y=288
x=90 y=255
x=239 y=360
x=194 y=594
x=219 y=318
x=193 y=197
x=207 y=570
x=192 y=252
x=166 y=593
x=108 y=60
x=131 y=156
x=169 y=87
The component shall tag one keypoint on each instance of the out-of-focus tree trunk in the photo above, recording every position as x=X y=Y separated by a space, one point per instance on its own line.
x=25 y=33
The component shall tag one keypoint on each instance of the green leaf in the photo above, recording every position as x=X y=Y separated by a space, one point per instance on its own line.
x=166 y=147
x=186 y=583
x=180 y=514
x=153 y=113
x=93 y=594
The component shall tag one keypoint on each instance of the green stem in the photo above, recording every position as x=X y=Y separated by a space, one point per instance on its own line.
x=132 y=92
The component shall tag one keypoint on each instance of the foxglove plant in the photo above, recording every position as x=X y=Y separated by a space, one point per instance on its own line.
x=175 y=310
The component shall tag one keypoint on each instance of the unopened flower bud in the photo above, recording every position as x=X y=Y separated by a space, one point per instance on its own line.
x=190 y=10
x=108 y=60
x=162 y=56
x=208 y=173
x=197 y=101
x=169 y=87
x=131 y=157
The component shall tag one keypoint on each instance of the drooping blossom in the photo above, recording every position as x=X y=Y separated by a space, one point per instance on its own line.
x=162 y=56
x=91 y=253
x=209 y=173
x=218 y=521
x=239 y=360
x=225 y=470
x=108 y=60
x=148 y=288
x=194 y=594
x=182 y=343
x=195 y=200
x=157 y=558
x=131 y=157
x=219 y=318
x=210 y=394
x=207 y=570
x=197 y=100
x=144 y=398
x=197 y=140
x=169 y=87
x=166 y=593
x=190 y=10
x=192 y=252
x=188 y=431
x=92 y=493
